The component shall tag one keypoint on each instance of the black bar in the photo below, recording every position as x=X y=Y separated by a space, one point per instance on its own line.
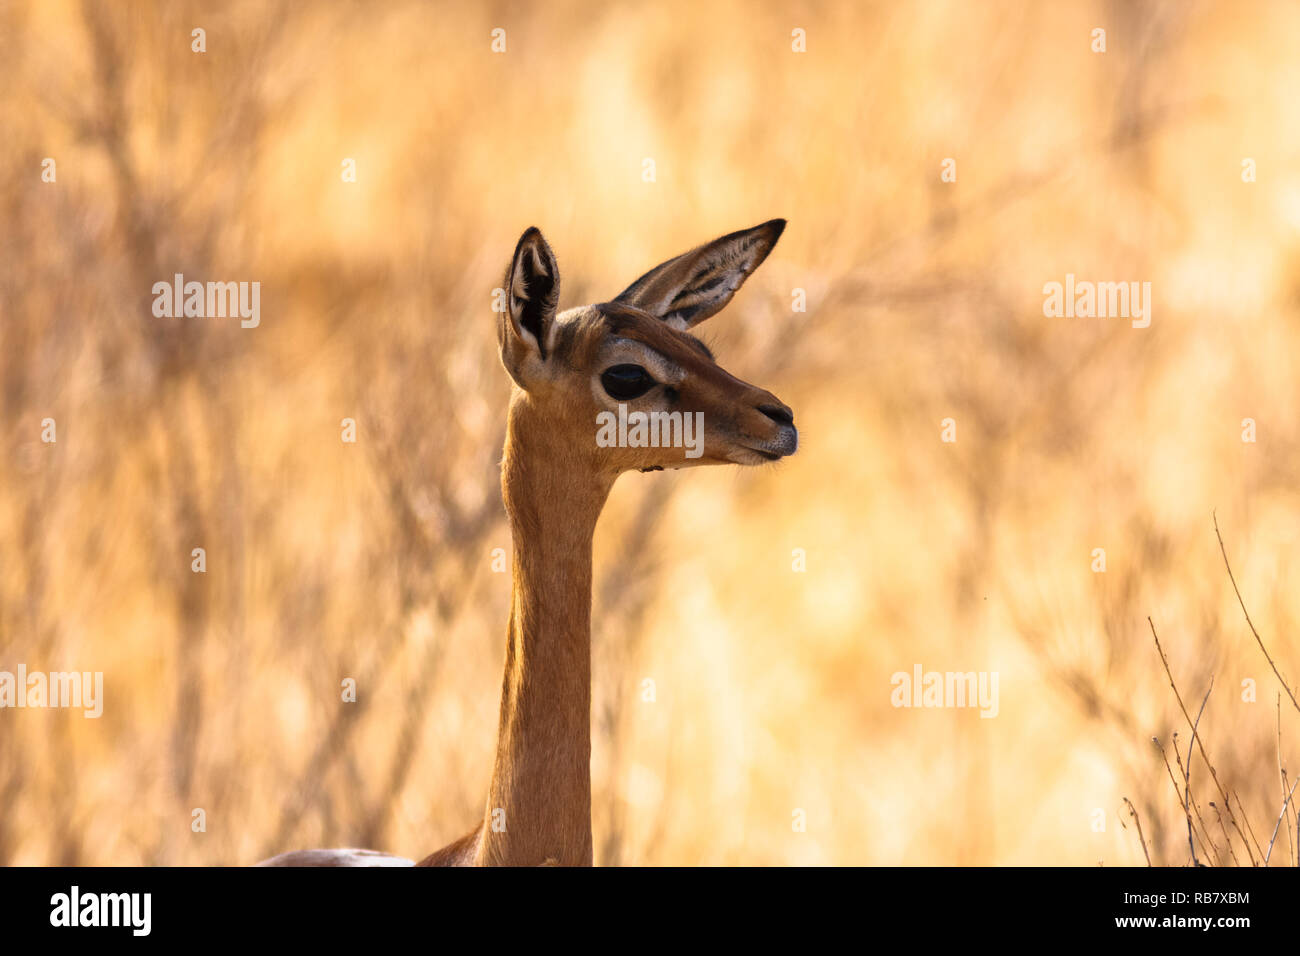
x=924 y=905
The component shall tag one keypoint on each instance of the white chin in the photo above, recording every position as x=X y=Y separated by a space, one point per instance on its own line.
x=749 y=456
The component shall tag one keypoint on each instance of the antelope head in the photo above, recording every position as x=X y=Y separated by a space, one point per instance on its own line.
x=624 y=385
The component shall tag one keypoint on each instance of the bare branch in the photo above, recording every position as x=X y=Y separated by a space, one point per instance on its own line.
x=1141 y=839
x=1199 y=743
x=1280 y=817
x=1286 y=687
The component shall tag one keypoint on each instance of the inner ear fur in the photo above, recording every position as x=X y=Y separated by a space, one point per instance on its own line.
x=687 y=289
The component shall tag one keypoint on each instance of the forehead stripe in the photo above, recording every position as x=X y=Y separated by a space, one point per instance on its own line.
x=631 y=323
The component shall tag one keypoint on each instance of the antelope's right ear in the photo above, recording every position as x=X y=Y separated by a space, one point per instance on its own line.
x=688 y=289
x=532 y=295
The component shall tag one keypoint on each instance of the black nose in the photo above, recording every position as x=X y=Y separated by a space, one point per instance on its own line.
x=778 y=413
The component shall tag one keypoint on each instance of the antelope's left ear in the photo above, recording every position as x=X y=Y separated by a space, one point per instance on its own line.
x=533 y=294
x=534 y=288
x=688 y=289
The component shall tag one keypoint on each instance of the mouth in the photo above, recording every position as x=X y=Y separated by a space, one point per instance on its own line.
x=753 y=455
x=785 y=444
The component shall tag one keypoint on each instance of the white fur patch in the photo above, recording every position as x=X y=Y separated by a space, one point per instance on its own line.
x=350 y=858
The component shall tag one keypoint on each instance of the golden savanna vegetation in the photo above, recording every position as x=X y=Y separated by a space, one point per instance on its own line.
x=769 y=607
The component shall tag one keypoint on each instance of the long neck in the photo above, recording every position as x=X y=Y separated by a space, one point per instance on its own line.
x=539 y=802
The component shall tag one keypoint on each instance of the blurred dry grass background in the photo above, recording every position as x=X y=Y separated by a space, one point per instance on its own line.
x=373 y=561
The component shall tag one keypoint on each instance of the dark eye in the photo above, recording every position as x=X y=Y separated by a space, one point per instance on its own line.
x=626 y=381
